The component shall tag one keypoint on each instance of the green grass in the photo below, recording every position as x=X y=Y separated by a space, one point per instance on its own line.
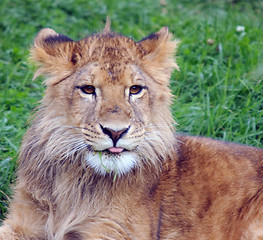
x=218 y=90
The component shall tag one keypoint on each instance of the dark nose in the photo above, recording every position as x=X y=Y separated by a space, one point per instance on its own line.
x=114 y=135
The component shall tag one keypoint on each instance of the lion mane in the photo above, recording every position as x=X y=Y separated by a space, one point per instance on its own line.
x=101 y=159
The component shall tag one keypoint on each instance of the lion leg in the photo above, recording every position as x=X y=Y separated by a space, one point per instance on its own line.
x=252 y=214
x=254 y=230
x=25 y=220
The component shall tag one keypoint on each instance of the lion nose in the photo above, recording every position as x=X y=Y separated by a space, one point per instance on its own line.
x=114 y=135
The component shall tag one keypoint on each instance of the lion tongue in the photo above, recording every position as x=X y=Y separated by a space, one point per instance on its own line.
x=116 y=149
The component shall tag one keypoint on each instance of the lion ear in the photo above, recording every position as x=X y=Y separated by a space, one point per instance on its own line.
x=53 y=55
x=159 y=53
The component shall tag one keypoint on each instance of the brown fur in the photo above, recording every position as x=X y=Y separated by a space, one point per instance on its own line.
x=180 y=187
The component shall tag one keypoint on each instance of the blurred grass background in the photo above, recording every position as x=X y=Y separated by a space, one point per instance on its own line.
x=218 y=92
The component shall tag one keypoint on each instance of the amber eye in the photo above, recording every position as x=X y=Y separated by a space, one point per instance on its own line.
x=88 y=89
x=135 y=89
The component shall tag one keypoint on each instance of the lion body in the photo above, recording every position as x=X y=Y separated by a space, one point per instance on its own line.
x=101 y=161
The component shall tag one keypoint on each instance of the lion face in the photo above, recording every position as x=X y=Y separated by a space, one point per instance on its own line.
x=111 y=108
x=112 y=93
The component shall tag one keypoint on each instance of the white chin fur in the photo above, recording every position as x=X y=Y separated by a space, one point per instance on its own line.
x=120 y=163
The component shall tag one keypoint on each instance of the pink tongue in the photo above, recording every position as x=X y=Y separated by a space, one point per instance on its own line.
x=116 y=149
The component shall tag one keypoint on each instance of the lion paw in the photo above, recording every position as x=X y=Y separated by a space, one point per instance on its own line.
x=6 y=233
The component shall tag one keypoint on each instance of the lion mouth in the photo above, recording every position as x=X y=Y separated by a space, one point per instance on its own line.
x=115 y=149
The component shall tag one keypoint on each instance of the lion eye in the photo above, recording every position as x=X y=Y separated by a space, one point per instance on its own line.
x=135 y=89
x=88 y=89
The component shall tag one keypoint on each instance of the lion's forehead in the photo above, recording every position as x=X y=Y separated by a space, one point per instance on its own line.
x=103 y=72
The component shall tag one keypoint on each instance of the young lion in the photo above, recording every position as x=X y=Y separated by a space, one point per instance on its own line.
x=101 y=161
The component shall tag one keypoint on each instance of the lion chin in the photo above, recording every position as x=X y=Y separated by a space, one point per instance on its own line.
x=101 y=159
x=106 y=162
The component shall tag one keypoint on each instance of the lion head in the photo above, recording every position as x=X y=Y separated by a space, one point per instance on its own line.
x=107 y=100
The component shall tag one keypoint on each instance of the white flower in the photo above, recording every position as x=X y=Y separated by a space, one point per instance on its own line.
x=240 y=28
